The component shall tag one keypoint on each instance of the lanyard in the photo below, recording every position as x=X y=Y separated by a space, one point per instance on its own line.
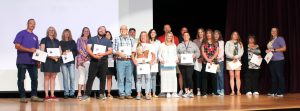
x=186 y=47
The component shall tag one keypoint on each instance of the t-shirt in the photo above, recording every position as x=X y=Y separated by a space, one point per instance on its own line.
x=100 y=41
x=143 y=52
x=27 y=40
x=278 y=43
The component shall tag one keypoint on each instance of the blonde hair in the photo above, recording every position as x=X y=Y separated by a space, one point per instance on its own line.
x=63 y=35
x=172 y=41
x=238 y=39
x=140 y=38
x=55 y=33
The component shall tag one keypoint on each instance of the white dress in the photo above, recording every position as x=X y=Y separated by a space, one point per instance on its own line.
x=168 y=75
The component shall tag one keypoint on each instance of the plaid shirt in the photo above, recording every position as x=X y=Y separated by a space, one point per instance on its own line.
x=121 y=41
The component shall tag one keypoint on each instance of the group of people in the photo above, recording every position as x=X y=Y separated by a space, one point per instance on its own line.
x=127 y=57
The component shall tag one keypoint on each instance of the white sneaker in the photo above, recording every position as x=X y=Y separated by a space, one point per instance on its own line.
x=191 y=95
x=249 y=93
x=180 y=93
x=168 y=95
x=198 y=93
x=185 y=95
x=270 y=94
x=279 y=95
x=255 y=93
x=174 y=95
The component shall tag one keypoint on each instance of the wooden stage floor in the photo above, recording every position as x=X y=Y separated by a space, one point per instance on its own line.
x=261 y=102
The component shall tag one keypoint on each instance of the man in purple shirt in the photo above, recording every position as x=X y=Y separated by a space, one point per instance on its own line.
x=26 y=43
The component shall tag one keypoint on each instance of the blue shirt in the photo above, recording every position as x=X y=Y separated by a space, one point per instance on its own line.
x=27 y=40
x=100 y=41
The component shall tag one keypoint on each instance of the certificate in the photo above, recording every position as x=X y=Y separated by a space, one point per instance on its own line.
x=111 y=62
x=154 y=67
x=198 y=66
x=212 y=68
x=125 y=50
x=39 y=55
x=53 y=51
x=234 y=65
x=99 y=49
x=256 y=60
x=143 y=69
x=268 y=57
x=68 y=57
x=186 y=58
x=170 y=62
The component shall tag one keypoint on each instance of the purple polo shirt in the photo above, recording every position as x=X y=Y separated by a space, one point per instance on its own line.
x=28 y=40
x=278 y=43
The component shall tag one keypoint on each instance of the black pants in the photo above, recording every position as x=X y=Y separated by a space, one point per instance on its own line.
x=98 y=69
x=278 y=83
x=187 y=73
x=33 y=73
x=251 y=80
x=205 y=78
x=198 y=79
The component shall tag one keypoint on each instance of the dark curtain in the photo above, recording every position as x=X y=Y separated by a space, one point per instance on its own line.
x=258 y=17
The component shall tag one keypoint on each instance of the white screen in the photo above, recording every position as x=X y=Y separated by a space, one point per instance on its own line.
x=71 y=14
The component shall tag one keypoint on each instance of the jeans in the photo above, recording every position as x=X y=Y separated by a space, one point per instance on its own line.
x=97 y=69
x=68 y=72
x=278 y=83
x=33 y=73
x=124 y=70
x=204 y=81
x=220 y=79
x=187 y=73
x=139 y=82
x=251 y=80
x=153 y=82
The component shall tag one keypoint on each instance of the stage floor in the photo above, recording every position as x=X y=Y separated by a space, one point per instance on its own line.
x=261 y=102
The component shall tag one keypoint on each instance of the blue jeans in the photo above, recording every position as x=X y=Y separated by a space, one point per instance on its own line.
x=68 y=71
x=153 y=82
x=220 y=79
x=124 y=70
x=139 y=82
x=33 y=73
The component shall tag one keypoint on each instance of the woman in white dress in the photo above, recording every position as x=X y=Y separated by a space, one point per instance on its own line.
x=167 y=55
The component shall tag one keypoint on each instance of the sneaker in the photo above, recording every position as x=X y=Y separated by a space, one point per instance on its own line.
x=204 y=95
x=109 y=96
x=180 y=93
x=215 y=94
x=185 y=95
x=148 y=97
x=85 y=98
x=138 y=97
x=129 y=97
x=155 y=96
x=23 y=100
x=191 y=95
x=102 y=97
x=36 y=99
x=168 y=95
x=198 y=93
x=174 y=95
x=249 y=93
x=255 y=93
x=270 y=94
x=66 y=96
x=279 y=95
x=122 y=97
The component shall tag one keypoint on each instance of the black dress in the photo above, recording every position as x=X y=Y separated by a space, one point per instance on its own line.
x=50 y=65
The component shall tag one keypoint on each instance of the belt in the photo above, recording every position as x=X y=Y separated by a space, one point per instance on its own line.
x=124 y=59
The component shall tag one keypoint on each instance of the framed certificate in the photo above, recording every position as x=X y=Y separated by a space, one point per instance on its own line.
x=125 y=50
x=99 y=49
x=39 y=55
x=186 y=58
x=143 y=69
x=268 y=57
x=256 y=60
x=68 y=57
x=212 y=68
x=53 y=51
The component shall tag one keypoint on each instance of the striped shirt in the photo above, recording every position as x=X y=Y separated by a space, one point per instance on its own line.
x=122 y=41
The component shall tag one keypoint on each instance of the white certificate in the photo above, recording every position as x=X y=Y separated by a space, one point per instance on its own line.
x=125 y=50
x=212 y=68
x=68 y=57
x=143 y=69
x=111 y=62
x=39 y=55
x=234 y=65
x=256 y=60
x=186 y=58
x=198 y=66
x=53 y=51
x=170 y=62
x=154 y=67
x=268 y=57
x=99 y=49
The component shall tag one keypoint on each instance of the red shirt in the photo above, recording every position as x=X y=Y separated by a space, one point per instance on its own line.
x=162 y=39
